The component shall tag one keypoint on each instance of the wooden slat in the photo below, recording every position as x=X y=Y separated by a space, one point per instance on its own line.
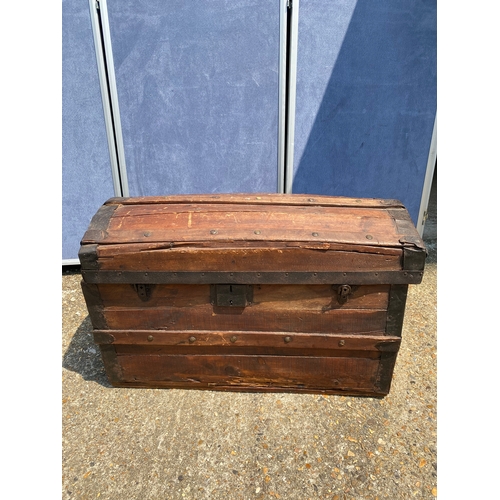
x=325 y=224
x=139 y=349
x=372 y=393
x=209 y=210
x=106 y=251
x=252 y=371
x=286 y=308
x=265 y=297
x=181 y=216
x=204 y=317
x=250 y=259
x=237 y=339
x=260 y=199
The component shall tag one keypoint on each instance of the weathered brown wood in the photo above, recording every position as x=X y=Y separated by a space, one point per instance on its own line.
x=111 y=364
x=260 y=199
x=396 y=309
x=251 y=259
x=242 y=350
x=385 y=371
x=284 y=308
x=205 y=317
x=405 y=227
x=252 y=371
x=267 y=297
x=325 y=224
x=153 y=342
x=188 y=216
x=291 y=218
x=99 y=224
x=370 y=393
x=322 y=310
x=252 y=277
x=202 y=211
x=237 y=339
x=94 y=305
x=111 y=250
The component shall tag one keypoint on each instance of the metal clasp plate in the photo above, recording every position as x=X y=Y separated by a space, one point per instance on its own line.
x=231 y=295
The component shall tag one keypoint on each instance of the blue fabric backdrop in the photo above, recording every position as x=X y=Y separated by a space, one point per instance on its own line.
x=366 y=98
x=197 y=86
x=86 y=170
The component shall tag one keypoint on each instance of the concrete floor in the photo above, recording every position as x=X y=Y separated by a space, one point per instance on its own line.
x=172 y=444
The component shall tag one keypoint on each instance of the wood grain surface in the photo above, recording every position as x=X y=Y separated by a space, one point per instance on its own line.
x=251 y=371
x=237 y=339
x=259 y=199
x=266 y=297
x=319 y=257
x=283 y=218
x=164 y=223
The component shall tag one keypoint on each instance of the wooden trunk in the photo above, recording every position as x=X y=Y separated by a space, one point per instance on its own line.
x=250 y=292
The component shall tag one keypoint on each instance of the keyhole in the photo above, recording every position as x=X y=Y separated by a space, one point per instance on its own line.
x=231 y=288
x=344 y=291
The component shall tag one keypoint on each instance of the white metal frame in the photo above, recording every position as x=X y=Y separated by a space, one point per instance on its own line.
x=109 y=95
x=113 y=93
x=94 y=5
x=292 y=87
x=429 y=174
x=282 y=95
x=103 y=82
x=71 y=262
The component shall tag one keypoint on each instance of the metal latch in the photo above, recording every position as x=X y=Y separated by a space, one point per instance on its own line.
x=343 y=292
x=231 y=295
x=143 y=291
